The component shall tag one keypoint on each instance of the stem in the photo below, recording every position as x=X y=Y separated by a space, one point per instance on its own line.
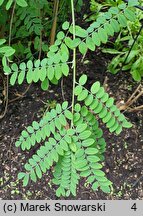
x=54 y=25
x=74 y=59
x=7 y=80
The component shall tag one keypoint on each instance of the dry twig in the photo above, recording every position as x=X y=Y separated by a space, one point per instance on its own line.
x=133 y=98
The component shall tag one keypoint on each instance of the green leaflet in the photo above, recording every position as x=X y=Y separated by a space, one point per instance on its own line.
x=132 y=3
x=99 y=108
x=83 y=79
x=122 y=20
x=38 y=172
x=78 y=90
x=89 y=100
x=91 y=151
x=58 y=72
x=114 y=10
x=72 y=43
x=130 y=15
x=73 y=147
x=62 y=120
x=96 y=166
x=109 y=29
x=21 y=175
x=64 y=105
x=1 y=2
x=33 y=176
x=68 y=114
x=110 y=102
x=99 y=173
x=94 y=104
x=115 y=25
x=35 y=125
x=88 y=142
x=60 y=35
x=65 y=69
x=90 y=44
x=8 y=5
x=83 y=48
x=77 y=107
x=45 y=84
x=22 y=3
x=7 y=51
x=50 y=72
x=100 y=93
x=13 y=78
x=90 y=179
x=127 y=124
x=80 y=32
x=58 y=108
x=65 y=25
x=105 y=189
x=81 y=127
x=95 y=87
x=25 y=180
x=83 y=95
x=95 y=186
x=93 y=159
x=85 y=173
x=102 y=35
x=84 y=135
x=96 y=39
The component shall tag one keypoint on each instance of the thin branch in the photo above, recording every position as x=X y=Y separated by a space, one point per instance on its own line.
x=135 y=99
x=137 y=89
x=40 y=44
x=20 y=95
x=7 y=81
x=135 y=109
x=54 y=25
x=131 y=100
x=74 y=58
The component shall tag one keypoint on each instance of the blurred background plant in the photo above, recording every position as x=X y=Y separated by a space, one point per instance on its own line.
x=124 y=59
x=27 y=29
x=34 y=26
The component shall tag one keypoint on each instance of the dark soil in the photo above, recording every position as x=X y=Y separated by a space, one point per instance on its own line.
x=124 y=155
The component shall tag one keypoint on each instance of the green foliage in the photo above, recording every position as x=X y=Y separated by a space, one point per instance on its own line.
x=52 y=121
x=21 y=3
x=69 y=138
x=78 y=151
x=96 y=8
x=32 y=23
x=134 y=61
x=56 y=64
x=100 y=103
x=6 y=51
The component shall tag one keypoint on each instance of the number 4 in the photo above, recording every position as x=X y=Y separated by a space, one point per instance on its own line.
x=134 y=207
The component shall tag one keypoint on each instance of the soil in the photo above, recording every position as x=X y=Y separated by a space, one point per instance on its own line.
x=123 y=158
